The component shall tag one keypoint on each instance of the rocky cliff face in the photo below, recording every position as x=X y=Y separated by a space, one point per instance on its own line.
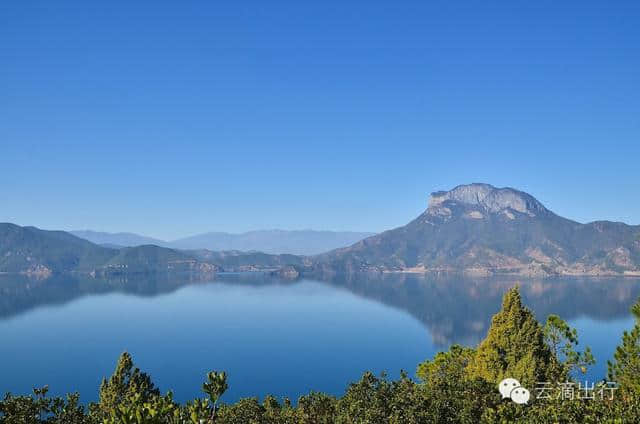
x=488 y=199
x=480 y=229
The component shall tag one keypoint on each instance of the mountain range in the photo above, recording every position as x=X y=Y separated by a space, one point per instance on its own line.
x=481 y=229
x=41 y=253
x=298 y=242
x=475 y=229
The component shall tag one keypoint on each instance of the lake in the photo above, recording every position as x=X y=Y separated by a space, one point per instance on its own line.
x=272 y=336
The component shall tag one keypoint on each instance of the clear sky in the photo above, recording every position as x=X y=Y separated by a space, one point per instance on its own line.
x=174 y=118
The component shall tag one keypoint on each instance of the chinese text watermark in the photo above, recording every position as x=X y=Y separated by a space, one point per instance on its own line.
x=512 y=389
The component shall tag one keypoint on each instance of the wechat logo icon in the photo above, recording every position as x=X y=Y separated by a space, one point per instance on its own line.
x=511 y=388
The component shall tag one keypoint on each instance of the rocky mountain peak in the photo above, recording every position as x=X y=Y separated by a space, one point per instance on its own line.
x=488 y=198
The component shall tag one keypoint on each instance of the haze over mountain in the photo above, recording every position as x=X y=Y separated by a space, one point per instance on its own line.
x=481 y=229
x=30 y=250
x=475 y=228
x=117 y=239
x=41 y=253
x=297 y=242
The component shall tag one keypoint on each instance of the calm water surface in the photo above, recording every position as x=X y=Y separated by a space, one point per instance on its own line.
x=272 y=336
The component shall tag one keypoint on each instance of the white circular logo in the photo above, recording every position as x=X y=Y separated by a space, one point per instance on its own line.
x=511 y=388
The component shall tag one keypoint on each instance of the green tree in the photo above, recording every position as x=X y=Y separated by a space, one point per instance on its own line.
x=68 y=411
x=446 y=367
x=25 y=409
x=514 y=346
x=214 y=387
x=276 y=413
x=244 y=411
x=156 y=410
x=366 y=400
x=625 y=367
x=41 y=409
x=316 y=408
x=562 y=340
x=126 y=383
x=196 y=411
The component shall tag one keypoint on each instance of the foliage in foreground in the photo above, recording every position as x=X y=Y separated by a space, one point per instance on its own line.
x=456 y=386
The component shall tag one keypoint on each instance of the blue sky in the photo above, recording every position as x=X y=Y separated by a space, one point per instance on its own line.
x=173 y=118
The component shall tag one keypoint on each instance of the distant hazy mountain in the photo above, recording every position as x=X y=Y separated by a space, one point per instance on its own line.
x=482 y=229
x=303 y=242
x=36 y=251
x=41 y=253
x=117 y=239
x=33 y=251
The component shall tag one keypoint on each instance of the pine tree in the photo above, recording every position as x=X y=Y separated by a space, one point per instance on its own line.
x=446 y=367
x=215 y=387
x=563 y=341
x=514 y=346
x=625 y=367
x=127 y=381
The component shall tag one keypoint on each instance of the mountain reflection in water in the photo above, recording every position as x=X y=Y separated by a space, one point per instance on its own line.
x=453 y=309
